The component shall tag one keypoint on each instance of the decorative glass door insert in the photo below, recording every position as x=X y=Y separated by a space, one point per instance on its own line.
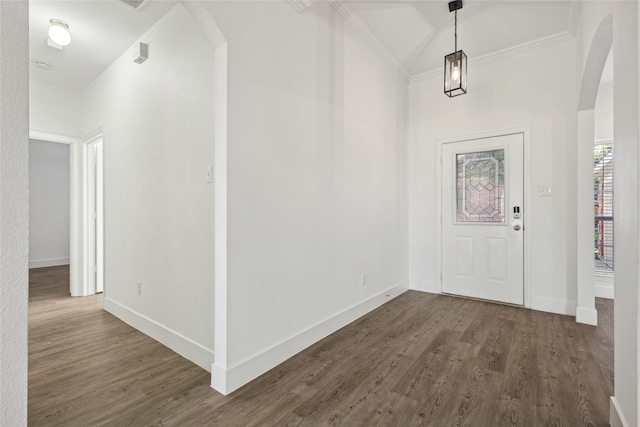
x=480 y=186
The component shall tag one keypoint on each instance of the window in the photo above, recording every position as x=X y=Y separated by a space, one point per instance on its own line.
x=603 y=207
x=480 y=186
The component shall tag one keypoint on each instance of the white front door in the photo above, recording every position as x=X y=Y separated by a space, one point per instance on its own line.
x=482 y=218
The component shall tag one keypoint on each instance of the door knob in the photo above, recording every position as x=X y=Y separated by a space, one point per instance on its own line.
x=516 y=227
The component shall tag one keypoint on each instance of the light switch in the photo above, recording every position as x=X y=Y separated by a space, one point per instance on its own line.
x=208 y=174
x=544 y=190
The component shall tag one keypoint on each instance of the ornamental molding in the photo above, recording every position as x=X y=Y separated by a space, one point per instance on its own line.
x=509 y=52
x=300 y=5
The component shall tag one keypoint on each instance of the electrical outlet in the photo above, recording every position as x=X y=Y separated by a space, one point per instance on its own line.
x=363 y=279
x=139 y=285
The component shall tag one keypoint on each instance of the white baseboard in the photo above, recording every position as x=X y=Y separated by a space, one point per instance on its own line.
x=227 y=380
x=616 y=418
x=604 y=285
x=424 y=286
x=551 y=305
x=53 y=262
x=588 y=316
x=604 y=291
x=182 y=345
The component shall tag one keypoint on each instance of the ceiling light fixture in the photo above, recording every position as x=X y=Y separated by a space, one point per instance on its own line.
x=59 y=32
x=455 y=64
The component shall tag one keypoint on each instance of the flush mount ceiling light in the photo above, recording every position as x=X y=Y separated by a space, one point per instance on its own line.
x=455 y=64
x=59 y=32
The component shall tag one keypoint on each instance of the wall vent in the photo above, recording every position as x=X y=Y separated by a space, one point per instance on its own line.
x=134 y=4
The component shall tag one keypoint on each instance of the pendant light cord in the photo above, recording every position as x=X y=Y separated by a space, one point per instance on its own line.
x=455 y=30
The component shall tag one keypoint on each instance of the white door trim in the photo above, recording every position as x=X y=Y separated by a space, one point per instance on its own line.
x=526 y=134
x=76 y=238
x=89 y=224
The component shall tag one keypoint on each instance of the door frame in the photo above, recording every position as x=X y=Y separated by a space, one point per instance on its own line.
x=93 y=212
x=76 y=245
x=78 y=250
x=526 y=136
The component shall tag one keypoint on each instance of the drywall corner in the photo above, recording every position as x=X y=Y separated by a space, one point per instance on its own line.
x=228 y=380
x=14 y=211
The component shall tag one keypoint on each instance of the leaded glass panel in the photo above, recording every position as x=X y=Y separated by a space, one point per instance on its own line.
x=480 y=186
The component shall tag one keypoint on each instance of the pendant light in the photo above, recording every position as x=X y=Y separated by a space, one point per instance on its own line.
x=455 y=64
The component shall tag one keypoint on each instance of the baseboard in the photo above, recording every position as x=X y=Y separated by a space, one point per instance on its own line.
x=588 y=316
x=616 y=418
x=424 y=286
x=182 y=345
x=551 y=305
x=604 y=291
x=227 y=380
x=604 y=286
x=52 y=262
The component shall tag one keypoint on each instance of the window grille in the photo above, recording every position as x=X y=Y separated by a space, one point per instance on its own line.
x=603 y=207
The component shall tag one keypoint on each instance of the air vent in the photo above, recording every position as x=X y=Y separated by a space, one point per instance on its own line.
x=43 y=65
x=134 y=4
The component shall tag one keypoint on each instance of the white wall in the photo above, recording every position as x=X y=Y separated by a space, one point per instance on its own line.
x=14 y=212
x=521 y=91
x=603 y=114
x=158 y=140
x=626 y=180
x=49 y=216
x=317 y=188
x=54 y=109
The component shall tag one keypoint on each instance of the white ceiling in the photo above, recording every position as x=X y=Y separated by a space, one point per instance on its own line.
x=415 y=34
x=101 y=31
x=418 y=34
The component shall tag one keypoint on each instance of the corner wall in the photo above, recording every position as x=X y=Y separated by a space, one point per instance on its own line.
x=626 y=205
x=14 y=211
x=317 y=187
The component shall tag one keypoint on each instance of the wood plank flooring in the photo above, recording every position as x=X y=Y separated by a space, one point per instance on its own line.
x=420 y=360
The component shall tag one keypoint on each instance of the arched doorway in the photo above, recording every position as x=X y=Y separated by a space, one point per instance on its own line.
x=596 y=59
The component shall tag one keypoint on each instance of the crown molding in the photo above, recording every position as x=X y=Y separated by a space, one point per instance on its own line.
x=573 y=19
x=361 y=28
x=300 y=5
x=509 y=52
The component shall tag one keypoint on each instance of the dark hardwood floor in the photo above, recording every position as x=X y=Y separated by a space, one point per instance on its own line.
x=419 y=360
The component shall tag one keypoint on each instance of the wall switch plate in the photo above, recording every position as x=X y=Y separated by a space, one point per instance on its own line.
x=544 y=190
x=208 y=174
x=139 y=288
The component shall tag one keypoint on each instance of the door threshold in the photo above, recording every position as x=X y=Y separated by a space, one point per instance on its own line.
x=484 y=300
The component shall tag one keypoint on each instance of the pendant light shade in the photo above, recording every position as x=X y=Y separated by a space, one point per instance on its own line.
x=455 y=64
x=455 y=74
